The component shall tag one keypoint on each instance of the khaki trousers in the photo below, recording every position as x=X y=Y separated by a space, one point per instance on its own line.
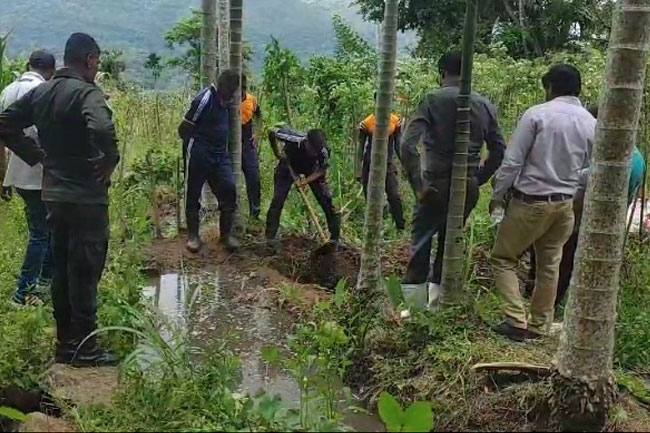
x=546 y=226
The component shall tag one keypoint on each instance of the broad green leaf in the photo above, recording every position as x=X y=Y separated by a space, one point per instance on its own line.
x=12 y=414
x=269 y=407
x=341 y=292
x=394 y=291
x=390 y=412
x=418 y=417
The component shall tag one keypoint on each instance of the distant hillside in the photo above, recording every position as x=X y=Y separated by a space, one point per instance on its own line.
x=138 y=26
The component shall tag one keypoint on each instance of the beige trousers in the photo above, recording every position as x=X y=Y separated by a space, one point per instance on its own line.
x=546 y=226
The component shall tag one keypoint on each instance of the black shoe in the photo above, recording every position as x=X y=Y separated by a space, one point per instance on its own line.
x=532 y=335
x=91 y=355
x=511 y=332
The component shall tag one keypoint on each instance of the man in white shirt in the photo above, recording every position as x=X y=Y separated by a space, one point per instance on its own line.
x=27 y=182
x=544 y=165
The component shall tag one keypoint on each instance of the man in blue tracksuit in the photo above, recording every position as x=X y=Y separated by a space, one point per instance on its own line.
x=205 y=130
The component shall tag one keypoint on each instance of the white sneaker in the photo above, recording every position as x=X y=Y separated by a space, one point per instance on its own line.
x=435 y=296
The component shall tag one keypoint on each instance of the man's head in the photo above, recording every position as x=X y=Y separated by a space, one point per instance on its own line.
x=82 y=55
x=227 y=84
x=450 y=64
x=562 y=80
x=316 y=141
x=43 y=63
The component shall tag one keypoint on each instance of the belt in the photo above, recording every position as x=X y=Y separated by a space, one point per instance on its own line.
x=551 y=198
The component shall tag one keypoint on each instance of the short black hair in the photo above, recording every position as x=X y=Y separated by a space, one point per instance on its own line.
x=451 y=63
x=79 y=47
x=317 y=138
x=564 y=80
x=41 y=60
x=229 y=78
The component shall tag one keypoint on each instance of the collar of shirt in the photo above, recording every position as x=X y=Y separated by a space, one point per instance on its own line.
x=220 y=102
x=31 y=76
x=573 y=100
x=68 y=73
x=452 y=82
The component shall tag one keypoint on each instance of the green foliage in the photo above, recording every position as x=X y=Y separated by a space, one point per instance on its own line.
x=154 y=64
x=113 y=64
x=394 y=290
x=12 y=414
x=9 y=69
x=549 y=25
x=418 y=417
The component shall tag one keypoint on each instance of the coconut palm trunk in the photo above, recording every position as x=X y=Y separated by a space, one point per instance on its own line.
x=453 y=280
x=583 y=385
x=236 y=10
x=209 y=43
x=370 y=272
x=223 y=18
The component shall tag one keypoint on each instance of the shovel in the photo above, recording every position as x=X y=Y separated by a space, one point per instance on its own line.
x=312 y=213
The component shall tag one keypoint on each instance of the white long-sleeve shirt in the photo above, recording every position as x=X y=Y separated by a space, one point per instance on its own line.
x=19 y=174
x=550 y=151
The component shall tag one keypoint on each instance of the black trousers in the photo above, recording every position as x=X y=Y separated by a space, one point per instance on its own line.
x=392 y=192
x=431 y=218
x=251 y=168
x=202 y=166
x=80 y=234
x=282 y=183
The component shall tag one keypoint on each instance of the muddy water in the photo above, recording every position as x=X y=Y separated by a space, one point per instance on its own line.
x=211 y=307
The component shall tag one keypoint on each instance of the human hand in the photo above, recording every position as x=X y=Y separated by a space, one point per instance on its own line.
x=497 y=212
x=102 y=170
x=7 y=194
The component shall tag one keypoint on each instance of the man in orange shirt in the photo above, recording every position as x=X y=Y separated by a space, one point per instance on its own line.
x=366 y=132
x=251 y=113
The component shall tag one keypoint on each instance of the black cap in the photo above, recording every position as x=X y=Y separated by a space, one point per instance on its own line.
x=42 y=61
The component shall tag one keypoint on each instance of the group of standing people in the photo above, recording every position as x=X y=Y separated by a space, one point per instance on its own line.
x=538 y=190
x=59 y=127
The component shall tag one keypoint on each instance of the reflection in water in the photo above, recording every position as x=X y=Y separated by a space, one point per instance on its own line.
x=216 y=314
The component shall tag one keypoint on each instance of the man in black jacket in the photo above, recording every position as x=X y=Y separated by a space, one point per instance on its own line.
x=434 y=124
x=79 y=153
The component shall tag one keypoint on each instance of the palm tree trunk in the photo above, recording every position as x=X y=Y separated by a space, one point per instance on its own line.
x=236 y=10
x=583 y=385
x=370 y=272
x=223 y=17
x=452 y=269
x=209 y=43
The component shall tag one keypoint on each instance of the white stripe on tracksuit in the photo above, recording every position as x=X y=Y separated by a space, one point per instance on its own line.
x=197 y=114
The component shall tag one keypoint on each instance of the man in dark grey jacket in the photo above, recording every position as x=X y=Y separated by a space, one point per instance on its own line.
x=78 y=149
x=434 y=124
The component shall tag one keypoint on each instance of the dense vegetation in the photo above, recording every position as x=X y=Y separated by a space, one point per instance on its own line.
x=348 y=338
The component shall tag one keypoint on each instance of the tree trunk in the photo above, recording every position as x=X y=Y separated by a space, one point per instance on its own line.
x=236 y=9
x=370 y=272
x=209 y=43
x=452 y=268
x=583 y=386
x=223 y=16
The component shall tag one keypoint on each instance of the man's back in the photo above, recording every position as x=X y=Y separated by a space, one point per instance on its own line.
x=76 y=131
x=551 y=147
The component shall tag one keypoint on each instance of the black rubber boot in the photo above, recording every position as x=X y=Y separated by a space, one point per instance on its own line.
x=227 y=239
x=193 y=244
x=90 y=354
x=65 y=346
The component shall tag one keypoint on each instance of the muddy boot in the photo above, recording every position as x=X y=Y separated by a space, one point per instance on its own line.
x=90 y=354
x=273 y=246
x=193 y=244
x=227 y=239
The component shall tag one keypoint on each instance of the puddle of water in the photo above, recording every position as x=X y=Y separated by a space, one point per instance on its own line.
x=216 y=314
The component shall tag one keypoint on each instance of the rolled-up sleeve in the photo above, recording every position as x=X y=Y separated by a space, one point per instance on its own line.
x=515 y=156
